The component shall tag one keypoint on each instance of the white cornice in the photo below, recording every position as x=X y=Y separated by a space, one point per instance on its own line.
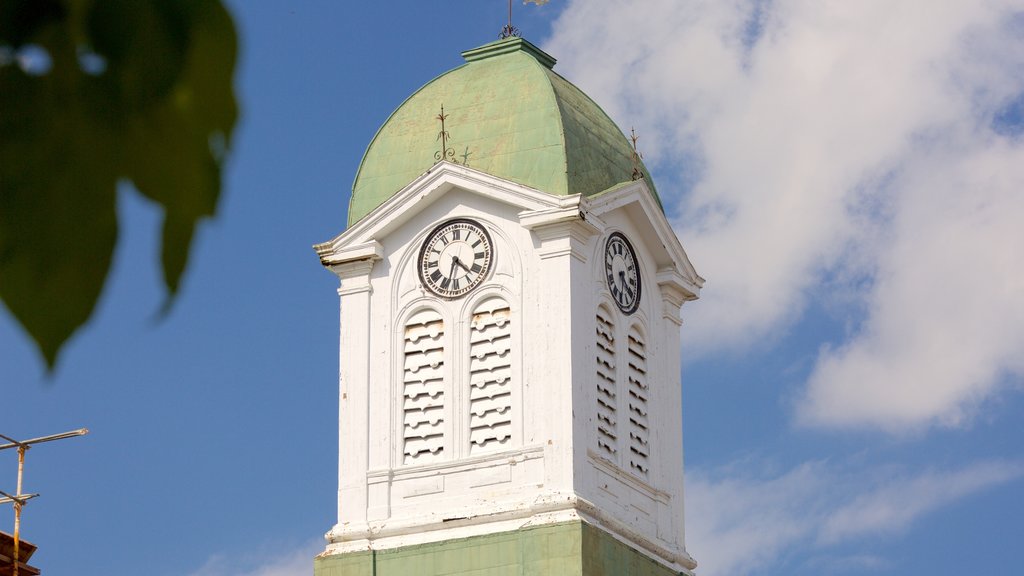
x=677 y=287
x=568 y=211
x=367 y=251
x=548 y=508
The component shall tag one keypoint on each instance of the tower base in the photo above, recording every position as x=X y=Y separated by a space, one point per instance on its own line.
x=568 y=549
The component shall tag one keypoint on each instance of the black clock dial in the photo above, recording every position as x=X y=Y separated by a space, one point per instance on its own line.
x=455 y=258
x=622 y=273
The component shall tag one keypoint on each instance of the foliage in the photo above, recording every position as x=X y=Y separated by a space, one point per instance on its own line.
x=93 y=92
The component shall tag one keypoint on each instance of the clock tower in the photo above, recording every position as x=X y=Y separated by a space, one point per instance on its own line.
x=509 y=353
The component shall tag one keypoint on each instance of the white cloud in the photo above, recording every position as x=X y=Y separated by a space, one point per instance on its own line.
x=280 y=559
x=946 y=319
x=738 y=524
x=834 y=146
x=891 y=506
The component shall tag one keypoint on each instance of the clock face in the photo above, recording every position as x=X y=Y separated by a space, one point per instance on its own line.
x=622 y=273
x=455 y=258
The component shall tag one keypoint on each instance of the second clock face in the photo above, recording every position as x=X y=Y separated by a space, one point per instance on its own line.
x=455 y=258
x=622 y=273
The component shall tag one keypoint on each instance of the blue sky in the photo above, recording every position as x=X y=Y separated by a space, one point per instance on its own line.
x=849 y=177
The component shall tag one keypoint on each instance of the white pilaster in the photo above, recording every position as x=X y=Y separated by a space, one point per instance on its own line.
x=560 y=322
x=674 y=291
x=354 y=385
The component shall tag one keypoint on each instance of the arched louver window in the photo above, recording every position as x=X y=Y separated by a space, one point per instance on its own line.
x=490 y=377
x=637 y=398
x=423 y=388
x=607 y=431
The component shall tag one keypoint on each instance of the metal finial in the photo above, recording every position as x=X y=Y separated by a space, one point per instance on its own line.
x=637 y=156
x=445 y=153
x=509 y=30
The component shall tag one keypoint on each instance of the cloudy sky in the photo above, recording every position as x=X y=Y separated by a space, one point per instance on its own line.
x=847 y=176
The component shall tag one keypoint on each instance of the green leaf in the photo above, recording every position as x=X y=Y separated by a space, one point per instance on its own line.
x=58 y=224
x=173 y=154
x=19 y=21
x=69 y=135
x=144 y=44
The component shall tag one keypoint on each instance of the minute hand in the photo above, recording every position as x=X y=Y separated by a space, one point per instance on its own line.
x=451 y=273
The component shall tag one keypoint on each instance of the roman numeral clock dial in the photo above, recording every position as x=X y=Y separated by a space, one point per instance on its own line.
x=621 y=272
x=455 y=258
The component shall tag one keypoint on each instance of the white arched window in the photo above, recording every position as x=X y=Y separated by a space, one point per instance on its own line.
x=606 y=388
x=637 y=397
x=490 y=376
x=622 y=394
x=423 y=383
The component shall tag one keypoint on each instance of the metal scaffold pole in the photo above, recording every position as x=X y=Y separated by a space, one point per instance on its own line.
x=19 y=498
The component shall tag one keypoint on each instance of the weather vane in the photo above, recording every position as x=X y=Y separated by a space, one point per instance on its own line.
x=510 y=31
x=445 y=153
x=637 y=156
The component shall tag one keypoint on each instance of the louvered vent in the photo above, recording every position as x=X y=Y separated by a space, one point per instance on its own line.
x=637 y=399
x=490 y=378
x=423 y=388
x=607 y=432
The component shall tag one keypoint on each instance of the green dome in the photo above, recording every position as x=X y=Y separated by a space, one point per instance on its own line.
x=509 y=115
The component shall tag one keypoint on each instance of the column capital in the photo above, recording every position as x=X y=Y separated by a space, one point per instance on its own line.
x=354 y=275
x=561 y=231
x=675 y=291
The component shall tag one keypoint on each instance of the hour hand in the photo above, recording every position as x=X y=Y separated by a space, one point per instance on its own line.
x=459 y=263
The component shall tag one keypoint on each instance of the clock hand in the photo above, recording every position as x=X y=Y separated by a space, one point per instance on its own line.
x=451 y=273
x=456 y=260
x=622 y=277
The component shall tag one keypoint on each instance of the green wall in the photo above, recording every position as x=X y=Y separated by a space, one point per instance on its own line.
x=570 y=549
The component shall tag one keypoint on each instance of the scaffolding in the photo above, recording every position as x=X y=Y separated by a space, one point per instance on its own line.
x=20 y=498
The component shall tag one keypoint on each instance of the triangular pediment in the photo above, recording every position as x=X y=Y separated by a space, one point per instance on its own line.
x=654 y=228
x=362 y=239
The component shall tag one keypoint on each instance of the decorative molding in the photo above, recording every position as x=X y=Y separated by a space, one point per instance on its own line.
x=354 y=276
x=638 y=193
x=549 y=508
x=629 y=480
x=562 y=213
x=563 y=231
x=329 y=256
x=678 y=559
x=473 y=462
x=675 y=291
x=432 y=184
